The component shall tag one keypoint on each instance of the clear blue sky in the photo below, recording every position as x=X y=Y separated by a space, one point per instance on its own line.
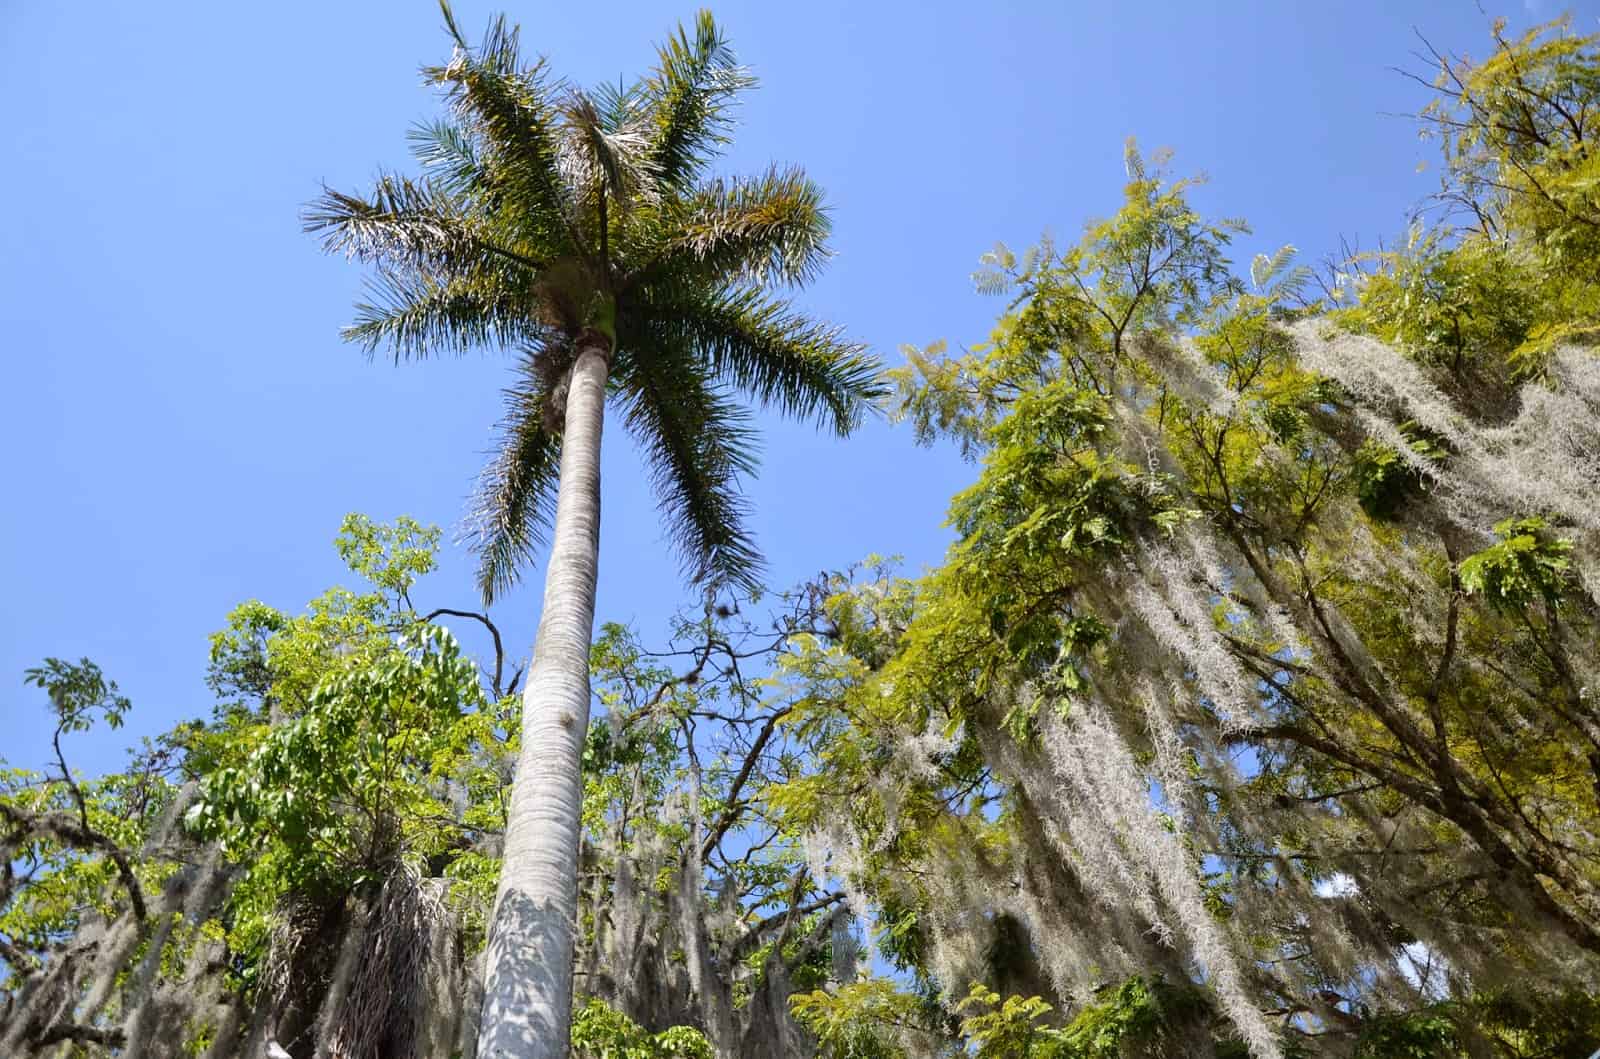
x=182 y=429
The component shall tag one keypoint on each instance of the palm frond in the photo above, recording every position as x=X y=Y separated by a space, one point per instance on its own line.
x=767 y=229
x=541 y=206
x=402 y=221
x=406 y=224
x=698 y=443
x=510 y=109
x=515 y=501
x=448 y=152
x=778 y=356
x=692 y=91
x=606 y=152
x=451 y=26
x=416 y=313
x=620 y=105
x=499 y=50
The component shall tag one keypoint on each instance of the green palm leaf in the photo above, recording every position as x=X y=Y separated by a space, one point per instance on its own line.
x=514 y=505
x=511 y=113
x=766 y=229
x=450 y=153
x=549 y=212
x=778 y=356
x=607 y=154
x=416 y=314
x=693 y=89
x=698 y=442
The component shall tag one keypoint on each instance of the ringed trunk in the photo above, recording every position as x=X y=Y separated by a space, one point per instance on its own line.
x=527 y=1001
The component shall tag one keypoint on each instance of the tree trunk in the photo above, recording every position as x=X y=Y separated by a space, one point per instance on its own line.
x=527 y=1002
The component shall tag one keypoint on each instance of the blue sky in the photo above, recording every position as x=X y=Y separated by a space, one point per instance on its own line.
x=183 y=430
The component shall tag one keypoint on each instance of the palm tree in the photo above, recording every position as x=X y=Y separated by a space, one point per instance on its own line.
x=580 y=230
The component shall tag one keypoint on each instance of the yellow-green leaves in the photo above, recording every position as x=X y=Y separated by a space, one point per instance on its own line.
x=1527 y=565
x=349 y=738
x=602 y=1032
x=1155 y=264
x=1521 y=176
x=1516 y=132
x=345 y=787
x=860 y=1020
x=1000 y=1029
x=389 y=555
x=77 y=691
x=1451 y=303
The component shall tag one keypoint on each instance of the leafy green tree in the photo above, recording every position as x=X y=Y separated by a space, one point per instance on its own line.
x=600 y=1032
x=694 y=900
x=580 y=230
x=1262 y=660
x=1516 y=135
x=315 y=865
x=305 y=868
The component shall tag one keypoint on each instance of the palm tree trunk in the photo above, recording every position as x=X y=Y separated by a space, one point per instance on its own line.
x=527 y=1002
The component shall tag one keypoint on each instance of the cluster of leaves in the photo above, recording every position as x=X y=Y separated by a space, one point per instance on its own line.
x=602 y=1032
x=352 y=738
x=1147 y=1017
x=1560 y=1025
x=1515 y=132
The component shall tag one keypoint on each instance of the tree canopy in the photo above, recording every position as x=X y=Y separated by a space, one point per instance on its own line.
x=1251 y=712
x=546 y=212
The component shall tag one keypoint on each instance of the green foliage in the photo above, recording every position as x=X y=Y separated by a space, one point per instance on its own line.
x=1514 y=132
x=1141 y=1014
x=348 y=742
x=1385 y=478
x=548 y=219
x=390 y=556
x=1001 y=1029
x=63 y=884
x=602 y=1032
x=1247 y=571
x=1542 y=1026
x=874 y=1019
x=1451 y=304
x=355 y=738
x=78 y=690
x=1156 y=261
x=1414 y=1035
x=1526 y=566
x=339 y=791
x=859 y=1020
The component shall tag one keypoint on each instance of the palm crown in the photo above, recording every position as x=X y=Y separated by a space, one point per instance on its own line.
x=548 y=214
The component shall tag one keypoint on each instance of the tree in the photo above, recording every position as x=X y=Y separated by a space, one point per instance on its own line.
x=306 y=868
x=1263 y=662
x=580 y=229
x=315 y=866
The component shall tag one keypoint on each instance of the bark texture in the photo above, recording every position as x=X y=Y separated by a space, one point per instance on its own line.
x=527 y=1005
